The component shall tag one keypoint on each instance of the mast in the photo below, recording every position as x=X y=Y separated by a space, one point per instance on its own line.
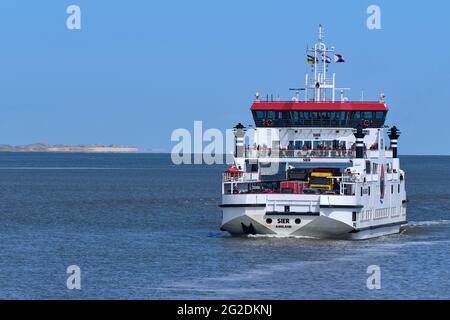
x=320 y=85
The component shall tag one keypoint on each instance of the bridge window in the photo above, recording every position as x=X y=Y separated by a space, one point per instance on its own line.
x=271 y=114
x=305 y=115
x=335 y=118
x=325 y=115
x=379 y=115
x=336 y=115
x=260 y=114
x=355 y=115
x=367 y=115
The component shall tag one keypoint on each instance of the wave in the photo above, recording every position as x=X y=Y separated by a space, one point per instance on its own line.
x=428 y=223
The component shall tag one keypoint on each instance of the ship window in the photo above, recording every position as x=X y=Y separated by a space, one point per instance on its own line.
x=343 y=115
x=260 y=114
x=399 y=188
x=307 y=144
x=298 y=144
x=392 y=188
x=294 y=115
x=355 y=115
x=335 y=144
x=305 y=115
x=367 y=115
x=368 y=167
x=314 y=115
x=227 y=188
x=319 y=181
x=375 y=168
x=379 y=115
x=271 y=114
x=325 y=115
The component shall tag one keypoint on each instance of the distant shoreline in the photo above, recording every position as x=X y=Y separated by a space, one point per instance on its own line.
x=66 y=148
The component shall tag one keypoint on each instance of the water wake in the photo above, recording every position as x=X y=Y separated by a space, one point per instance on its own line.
x=278 y=236
x=428 y=223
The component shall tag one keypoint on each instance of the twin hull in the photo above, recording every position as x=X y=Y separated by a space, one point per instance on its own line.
x=318 y=216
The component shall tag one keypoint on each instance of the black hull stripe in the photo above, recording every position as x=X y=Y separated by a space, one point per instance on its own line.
x=380 y=226
x=342 y=206
x=250 y=205
x=280 y=213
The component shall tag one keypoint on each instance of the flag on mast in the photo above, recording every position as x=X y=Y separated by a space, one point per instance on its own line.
x=312 y=59
x=326 y=59
x=338 y=58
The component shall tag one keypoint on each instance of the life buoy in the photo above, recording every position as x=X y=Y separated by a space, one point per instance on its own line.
x=366 y=123
x=269 y=122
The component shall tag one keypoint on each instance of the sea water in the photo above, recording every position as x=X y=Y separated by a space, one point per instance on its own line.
x=139 y=227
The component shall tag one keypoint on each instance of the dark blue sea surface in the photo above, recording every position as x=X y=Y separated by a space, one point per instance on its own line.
x=140 y=227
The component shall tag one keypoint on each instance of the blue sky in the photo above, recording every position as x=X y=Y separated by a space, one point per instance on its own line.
x=137 y=70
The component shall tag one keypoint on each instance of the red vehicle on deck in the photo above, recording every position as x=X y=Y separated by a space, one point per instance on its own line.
x=295 y=187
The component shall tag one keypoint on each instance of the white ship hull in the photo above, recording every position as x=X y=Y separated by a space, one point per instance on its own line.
x=317 y=216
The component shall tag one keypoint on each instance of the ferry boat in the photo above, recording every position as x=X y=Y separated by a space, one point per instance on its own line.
x=318 y=165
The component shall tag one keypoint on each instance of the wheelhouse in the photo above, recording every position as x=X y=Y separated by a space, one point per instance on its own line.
x=319 y=114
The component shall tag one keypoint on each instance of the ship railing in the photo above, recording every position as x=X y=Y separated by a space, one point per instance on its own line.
x=232 y=177
x=240 y=177
x=301 y=153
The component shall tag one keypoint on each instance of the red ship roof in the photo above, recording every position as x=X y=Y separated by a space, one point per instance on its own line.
x=319 y=106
